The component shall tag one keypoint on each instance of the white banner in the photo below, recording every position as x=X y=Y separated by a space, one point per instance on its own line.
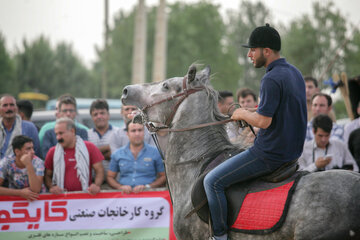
x=81 y=211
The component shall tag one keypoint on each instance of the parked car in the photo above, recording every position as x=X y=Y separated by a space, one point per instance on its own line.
x=85 y=103
x=39 y=118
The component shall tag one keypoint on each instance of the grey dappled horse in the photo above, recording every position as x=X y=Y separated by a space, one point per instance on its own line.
x=326 y=205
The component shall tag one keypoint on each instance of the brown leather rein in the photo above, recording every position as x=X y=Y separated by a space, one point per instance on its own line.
x=184 y=94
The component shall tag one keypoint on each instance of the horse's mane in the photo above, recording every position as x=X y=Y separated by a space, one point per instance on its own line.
x=213 y=96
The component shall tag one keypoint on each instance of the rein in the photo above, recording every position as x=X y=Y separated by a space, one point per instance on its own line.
x=184 y=94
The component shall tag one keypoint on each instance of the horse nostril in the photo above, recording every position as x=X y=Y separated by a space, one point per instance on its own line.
x=125 y=92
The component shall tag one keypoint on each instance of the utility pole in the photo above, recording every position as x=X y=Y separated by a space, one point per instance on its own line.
x=106 y=42
x=139 y=50
x=159 y=61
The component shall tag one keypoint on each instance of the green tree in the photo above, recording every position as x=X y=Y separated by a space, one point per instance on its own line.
x=312 y=42
x=39 y=68
x=35 y=66
x=240 y=25
x=352 y=55
x=118 y=56
x=70 y=75
x=8 y=82
x=195 y=35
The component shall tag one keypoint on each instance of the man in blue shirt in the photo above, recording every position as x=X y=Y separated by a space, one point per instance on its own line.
x=140 y=165
x=67 y=108
x=281 y=117
x=11 y=125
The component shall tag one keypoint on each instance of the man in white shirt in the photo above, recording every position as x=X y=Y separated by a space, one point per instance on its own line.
x=323 y=153
x=120 y=138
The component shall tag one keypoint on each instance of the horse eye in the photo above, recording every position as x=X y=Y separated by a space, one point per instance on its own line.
x=166 y=86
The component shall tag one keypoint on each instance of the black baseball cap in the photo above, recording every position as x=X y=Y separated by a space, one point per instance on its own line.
x=265 y=37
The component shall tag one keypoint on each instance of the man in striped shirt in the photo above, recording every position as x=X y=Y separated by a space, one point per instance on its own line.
x=102 y=133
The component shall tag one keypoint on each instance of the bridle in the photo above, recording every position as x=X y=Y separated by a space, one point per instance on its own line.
x=166 y=128
x=182 y=95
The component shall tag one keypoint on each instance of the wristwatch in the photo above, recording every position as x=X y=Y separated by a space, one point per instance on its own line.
x=147 y=186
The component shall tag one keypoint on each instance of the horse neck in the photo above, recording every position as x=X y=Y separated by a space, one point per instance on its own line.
x=198 y=144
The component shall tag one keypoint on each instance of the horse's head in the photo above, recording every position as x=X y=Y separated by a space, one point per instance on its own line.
x=160 y=101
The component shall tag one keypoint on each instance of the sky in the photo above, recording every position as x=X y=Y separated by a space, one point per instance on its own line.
x=81 y=22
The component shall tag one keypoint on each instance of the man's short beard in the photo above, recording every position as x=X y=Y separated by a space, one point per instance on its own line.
x=260 y=62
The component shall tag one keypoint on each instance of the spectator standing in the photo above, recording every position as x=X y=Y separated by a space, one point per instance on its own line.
x=247 y=99
x=322 y=104
x=101 y=134
x=225 y=102
x=120 y=138
x=25 y=109
x=23 y=171
x=139 y=164
x=51 y=125
x=69 y=163
x=323 y=153
x=67 y=108
x=311 y=87
x=11 y=125
x=351 y=126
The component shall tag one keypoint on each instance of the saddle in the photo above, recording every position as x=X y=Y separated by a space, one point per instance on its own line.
x=248 y=202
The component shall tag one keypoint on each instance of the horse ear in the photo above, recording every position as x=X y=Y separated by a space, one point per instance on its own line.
x=206 y=71
x=191 y=73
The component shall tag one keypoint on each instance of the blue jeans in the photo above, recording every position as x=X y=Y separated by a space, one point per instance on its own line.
x=239 y=168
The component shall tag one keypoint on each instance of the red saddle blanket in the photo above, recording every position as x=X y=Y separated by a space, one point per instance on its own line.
x=263 y=210
x=254 y=207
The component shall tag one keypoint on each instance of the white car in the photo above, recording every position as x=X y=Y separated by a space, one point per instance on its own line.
x=39 y=118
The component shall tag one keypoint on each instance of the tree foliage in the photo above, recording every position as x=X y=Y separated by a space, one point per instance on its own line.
x=39 y=68
x=352 y=55
x=312 y=42
x=8 y=82
x=197 y=33
x=240 y=26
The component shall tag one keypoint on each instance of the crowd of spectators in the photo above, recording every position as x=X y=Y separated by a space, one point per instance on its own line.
x=65 y=155
x=328 y=145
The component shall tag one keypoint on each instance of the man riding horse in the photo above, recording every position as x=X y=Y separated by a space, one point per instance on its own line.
x=281 y=117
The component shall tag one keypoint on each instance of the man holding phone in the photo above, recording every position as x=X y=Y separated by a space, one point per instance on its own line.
x=323 y=153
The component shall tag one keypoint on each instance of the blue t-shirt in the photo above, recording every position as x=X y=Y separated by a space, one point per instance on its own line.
x=282 y=97
x=29 y=130
x=141 y=171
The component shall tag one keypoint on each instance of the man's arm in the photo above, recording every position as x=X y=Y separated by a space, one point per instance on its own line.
x=94 y=188
x=24 y=193
x=111 y=180
x=160 y=180
x=34 y=180
x=253 y=118
x=349 y=160
x=48 y=182
x=99 y=173
x=106 y=151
